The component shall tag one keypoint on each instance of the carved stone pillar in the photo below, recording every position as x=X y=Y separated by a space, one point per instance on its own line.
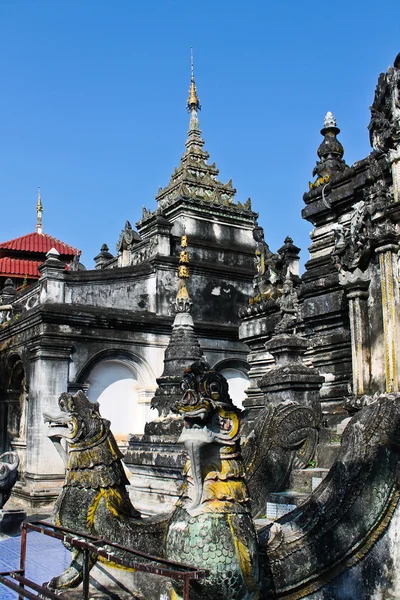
x=52 y=279
x=394 y=158
x=49 y=370
x=356 y=285
x=290 y=379
x=388 y=267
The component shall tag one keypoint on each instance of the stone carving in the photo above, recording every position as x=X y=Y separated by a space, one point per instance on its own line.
x=353 y=241
x=265 y=259
x=211 y=522
x=289 y=308
x=272 y=268
x=76 y=265
x=127 y=238
x=378 y=196
x=7 y=298
x=346 y=514
x=384 y=127
x=146 y=212
x=330 y=153
x=94 y=499
x=356 y=240
x=283 y=438
x=9 y=462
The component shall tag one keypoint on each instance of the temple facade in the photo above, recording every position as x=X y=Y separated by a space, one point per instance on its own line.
x=106 y=330
x=197 y=281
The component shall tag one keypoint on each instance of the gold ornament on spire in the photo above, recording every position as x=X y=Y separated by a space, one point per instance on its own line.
x=39 y=210
x=183 y=300
x=193 y=100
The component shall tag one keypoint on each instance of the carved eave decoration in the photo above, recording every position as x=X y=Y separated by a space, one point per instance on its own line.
x=370 y=226
x=384 y=127
x=127 y=238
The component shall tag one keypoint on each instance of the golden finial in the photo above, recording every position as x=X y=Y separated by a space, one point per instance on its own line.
x=193 y=101
x=39 y=210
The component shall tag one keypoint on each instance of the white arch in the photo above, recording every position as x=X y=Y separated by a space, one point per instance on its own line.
x=119 y=388
x=238 y=382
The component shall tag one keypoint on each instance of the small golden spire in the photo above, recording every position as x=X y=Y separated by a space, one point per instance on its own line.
x=39 y=210
x=193 y=101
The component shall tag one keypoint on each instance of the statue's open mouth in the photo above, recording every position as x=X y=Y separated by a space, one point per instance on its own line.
x=60 y=425
x=195 y=419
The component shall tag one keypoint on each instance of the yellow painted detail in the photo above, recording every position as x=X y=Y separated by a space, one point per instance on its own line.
x=234 y=417
x=222 y=470
x=92 y=510
x=234 y=491
x=114 y=565
x=244 y=558
x=174 y=595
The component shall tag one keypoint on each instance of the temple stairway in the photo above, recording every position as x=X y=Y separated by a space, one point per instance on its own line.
x=304 y=481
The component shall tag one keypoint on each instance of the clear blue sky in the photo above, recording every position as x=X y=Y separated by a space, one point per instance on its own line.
x=93 y=94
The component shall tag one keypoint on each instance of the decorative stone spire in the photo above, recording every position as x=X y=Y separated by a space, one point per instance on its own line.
x=103 y=257
x=183 y=350
x=194 y=178
x=39 y=210
x=330 y=153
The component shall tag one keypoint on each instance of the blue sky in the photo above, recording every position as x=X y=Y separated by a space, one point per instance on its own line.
x=93 y=95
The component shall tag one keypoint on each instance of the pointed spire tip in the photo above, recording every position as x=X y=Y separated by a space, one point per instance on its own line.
x=39 y=211
x=193 y=101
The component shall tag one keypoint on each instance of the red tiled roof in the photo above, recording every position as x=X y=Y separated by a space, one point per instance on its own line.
x=39 y=242
x=19 y=267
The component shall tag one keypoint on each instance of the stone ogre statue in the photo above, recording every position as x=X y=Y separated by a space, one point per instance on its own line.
x=211 y=525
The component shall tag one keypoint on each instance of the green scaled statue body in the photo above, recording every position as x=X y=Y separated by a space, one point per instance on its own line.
x=212 y=525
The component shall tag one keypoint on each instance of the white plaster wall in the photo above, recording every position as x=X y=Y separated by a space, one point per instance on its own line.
x=238 y=383
x=115 y=385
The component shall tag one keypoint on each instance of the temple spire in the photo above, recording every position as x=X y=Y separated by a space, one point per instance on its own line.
x=183 y=350
x=195 y=178
x=39 y=210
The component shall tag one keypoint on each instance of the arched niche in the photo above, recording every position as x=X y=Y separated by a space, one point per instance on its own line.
x=13 y=410
x=235 y=372
x=123 y=385
x=16 y=401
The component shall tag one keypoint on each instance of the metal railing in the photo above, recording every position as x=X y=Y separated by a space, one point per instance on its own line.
x=101 y=547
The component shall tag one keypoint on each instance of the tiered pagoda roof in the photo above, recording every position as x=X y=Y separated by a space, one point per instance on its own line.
x=21 y=256
x=194 y=178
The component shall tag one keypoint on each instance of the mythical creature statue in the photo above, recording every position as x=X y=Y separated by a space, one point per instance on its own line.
x=347 y=513
x=211 y=524
x=214 y=509
x=9 y=462
x=94 y=498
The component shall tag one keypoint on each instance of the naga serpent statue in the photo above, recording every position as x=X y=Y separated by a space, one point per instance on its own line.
x=211 y=525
